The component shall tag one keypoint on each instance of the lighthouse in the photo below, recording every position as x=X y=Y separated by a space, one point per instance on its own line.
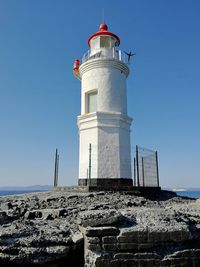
x=104 y=126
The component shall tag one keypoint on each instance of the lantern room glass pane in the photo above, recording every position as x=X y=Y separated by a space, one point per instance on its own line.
x=113 y=42
x=95 y=43
x=105 y=41
x=92 y=102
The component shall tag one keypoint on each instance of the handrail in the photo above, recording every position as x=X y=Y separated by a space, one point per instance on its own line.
x=107 y=54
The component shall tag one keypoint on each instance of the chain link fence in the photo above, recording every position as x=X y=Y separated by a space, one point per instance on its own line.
x=146 y=168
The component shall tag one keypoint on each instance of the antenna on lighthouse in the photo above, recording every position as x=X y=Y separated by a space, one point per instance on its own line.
x=103 y=15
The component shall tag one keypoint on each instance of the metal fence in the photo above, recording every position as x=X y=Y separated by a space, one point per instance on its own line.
x=146 y=168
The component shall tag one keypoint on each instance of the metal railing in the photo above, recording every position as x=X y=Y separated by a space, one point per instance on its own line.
x=107 y=53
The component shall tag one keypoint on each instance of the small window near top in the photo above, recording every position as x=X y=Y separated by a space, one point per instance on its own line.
x=91 y=102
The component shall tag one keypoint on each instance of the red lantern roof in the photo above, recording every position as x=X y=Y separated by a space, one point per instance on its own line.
x=103 y=30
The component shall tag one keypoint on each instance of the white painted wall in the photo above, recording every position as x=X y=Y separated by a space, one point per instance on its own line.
x=110 y=83
x=109 y=135
x=114 y=158
x=108 y=129
x=88 y=134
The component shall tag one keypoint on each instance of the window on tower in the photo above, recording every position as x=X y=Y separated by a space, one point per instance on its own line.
x=91 y=101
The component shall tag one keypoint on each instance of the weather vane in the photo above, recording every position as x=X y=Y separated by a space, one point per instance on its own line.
x=130 y=54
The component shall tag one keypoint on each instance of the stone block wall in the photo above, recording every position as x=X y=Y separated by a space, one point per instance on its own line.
x=108 y=246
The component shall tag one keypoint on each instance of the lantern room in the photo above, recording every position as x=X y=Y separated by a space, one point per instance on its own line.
x=103 y=41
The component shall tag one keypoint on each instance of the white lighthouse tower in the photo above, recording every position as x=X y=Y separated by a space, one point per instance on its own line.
x=104 y=126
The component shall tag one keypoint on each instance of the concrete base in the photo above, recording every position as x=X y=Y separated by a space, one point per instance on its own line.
x=107 y=184
x=122 y=185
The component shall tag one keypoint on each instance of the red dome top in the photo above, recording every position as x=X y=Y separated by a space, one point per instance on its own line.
x=103 y=27
x=103 y=30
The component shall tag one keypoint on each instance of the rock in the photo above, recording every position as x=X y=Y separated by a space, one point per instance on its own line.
x=32 y=215
x=72 y=197
x=198 y=201
x=63 y=213
x=93 y=240
x=102 y=217
x=51 y=199
x=6 y=205
x=109 y=239
x=102 y=193
x=3 y=217
x=114 y=229
x=50 y=214
x=111 y=248
x=124 y=256
x=77 y=238
x=187 y=253
x=101 y=231
x=94 y=247
x=99 y=206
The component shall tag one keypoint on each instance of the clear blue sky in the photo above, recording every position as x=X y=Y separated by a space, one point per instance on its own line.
x=40 y=98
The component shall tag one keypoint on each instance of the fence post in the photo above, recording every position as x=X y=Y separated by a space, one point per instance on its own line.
x=143 y=170
x=89 y=167
x=158 y=183
x=56 y=169
x=134 y=172
x=137 y=166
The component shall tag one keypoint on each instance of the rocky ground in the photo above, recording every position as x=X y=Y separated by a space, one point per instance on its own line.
x=98 y=229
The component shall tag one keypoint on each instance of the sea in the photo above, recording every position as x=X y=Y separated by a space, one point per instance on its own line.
x=185 y=193
x=18 y=192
